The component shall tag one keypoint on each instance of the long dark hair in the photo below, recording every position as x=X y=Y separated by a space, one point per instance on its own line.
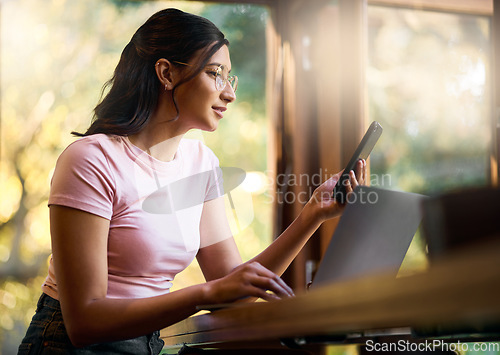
x=133 y=95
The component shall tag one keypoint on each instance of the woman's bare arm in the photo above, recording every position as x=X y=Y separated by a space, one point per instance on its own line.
x=79 y=242
x=218 y=254
x=321 y=206
x=219 y=259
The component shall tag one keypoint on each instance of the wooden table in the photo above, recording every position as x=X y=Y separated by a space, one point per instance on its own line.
x=458 y=295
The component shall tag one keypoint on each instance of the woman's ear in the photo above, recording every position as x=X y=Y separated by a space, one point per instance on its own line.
x=166 y=73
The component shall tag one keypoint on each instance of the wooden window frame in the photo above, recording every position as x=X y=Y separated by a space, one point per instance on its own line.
x=311 y=121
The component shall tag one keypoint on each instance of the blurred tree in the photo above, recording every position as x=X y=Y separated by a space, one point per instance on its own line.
x=241 y=138
x=428 y=86
x=428 y=79
x=56 y=55
x=244 y=26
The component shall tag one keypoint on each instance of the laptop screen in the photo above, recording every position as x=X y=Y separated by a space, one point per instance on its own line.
x=373 y=235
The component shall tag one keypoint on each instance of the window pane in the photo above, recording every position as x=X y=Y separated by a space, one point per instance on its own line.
x=428 y=85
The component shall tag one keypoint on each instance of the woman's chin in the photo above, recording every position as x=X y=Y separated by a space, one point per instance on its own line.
x=211 y=127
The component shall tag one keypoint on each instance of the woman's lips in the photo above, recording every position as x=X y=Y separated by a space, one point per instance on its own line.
x=219 y=111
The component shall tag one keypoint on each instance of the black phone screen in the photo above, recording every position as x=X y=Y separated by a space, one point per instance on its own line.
x=362 y=152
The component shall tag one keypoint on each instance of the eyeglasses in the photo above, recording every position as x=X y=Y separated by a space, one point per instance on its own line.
x=222 y=77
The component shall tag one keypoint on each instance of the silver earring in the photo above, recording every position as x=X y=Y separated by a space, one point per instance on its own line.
x=165 y=87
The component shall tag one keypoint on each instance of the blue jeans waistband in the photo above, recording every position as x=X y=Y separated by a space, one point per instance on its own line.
x=47 y=301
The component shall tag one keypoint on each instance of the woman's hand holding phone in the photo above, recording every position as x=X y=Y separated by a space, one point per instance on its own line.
x=362 y=152
x=322 y=205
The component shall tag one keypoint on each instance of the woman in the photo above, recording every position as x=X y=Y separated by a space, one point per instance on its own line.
x=120 y=232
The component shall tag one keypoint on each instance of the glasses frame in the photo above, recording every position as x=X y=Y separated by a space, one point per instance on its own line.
x=220 y=82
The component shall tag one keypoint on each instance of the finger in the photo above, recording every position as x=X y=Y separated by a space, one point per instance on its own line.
x=274 y=279
x=364 y=172
x=352 y=181
x=251 y=290
x=267 y=296
x=360 y=170
x=332 y=181
x=272 y=284
x=328 y=185
x=288 y=290
x=278 y=285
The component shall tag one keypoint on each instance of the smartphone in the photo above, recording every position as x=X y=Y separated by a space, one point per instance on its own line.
x=363 y=150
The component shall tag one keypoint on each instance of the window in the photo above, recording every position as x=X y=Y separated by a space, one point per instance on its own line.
x=429 y=86
x=428 y=79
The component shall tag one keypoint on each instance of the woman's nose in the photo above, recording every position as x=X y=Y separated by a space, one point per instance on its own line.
x=228 y=93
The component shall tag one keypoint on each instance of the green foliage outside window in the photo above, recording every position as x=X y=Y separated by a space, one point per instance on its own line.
x=428 y=84
x=428 y=81
x=55 y=57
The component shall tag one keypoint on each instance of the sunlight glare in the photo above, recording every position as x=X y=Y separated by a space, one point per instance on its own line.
x=255 y=182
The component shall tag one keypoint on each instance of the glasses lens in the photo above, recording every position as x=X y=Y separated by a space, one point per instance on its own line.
x=233 y=81
x=220 y=83
x=222 y=78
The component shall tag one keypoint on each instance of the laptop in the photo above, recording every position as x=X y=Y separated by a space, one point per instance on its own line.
x=373 y=235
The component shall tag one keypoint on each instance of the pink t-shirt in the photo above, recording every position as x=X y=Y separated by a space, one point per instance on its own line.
x=154 y=207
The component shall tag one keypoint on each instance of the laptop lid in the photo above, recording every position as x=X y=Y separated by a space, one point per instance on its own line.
x=373 y=235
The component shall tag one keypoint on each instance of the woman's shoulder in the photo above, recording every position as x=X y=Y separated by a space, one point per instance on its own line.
x=95 y=149
x=98 y=139
x=93 y=143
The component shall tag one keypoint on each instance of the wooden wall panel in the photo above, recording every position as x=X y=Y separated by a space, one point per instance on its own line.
x=320 y=117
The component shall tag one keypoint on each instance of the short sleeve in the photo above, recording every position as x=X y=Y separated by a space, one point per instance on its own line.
x=212 y=173
x=83 y=179
x=215 y=185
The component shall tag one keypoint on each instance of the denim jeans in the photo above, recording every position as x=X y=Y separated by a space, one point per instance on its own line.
x=47 y=335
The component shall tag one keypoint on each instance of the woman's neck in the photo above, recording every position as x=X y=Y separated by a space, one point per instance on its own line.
x=160 y=138
x=158 y=146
